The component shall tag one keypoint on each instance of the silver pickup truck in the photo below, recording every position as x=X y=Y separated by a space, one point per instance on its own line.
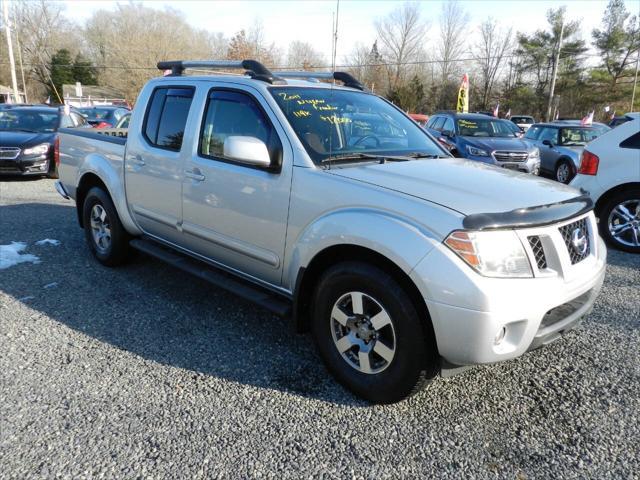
x=326 y=203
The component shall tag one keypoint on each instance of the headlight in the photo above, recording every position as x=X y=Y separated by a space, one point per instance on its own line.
x=494 y=253
x=535 y=153
x=37 y=150
x=477 y=152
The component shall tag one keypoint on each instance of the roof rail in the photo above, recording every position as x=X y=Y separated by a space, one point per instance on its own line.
x=252 y=68
x=344 y=77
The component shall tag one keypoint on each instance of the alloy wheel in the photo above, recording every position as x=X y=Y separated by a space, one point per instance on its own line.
x=563 y=173
x=624 y=223
x=100 y=228
x=363 y=332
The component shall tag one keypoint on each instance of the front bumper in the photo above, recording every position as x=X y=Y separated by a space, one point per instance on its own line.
x=470 y=312
x=531 y=165
x=28 y=166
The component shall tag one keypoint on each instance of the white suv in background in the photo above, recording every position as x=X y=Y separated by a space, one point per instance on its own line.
x=610 y=172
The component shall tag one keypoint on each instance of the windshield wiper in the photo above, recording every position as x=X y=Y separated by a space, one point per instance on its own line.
x=425 y=155
x=350 y=156
x=22 y=130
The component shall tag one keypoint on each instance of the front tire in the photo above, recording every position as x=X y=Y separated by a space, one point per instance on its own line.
x=619 y=220
x=105 y=235
x=369 y=333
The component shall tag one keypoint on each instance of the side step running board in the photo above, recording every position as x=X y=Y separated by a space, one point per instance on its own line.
x=266 y=299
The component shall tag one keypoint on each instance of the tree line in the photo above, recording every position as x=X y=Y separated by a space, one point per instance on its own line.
x=119 y=48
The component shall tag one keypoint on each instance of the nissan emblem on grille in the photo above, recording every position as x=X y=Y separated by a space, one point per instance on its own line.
x=579 y=241
x=575 y=236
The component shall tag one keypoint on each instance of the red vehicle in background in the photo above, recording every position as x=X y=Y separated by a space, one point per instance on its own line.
x=420 y=118
x=103 y=116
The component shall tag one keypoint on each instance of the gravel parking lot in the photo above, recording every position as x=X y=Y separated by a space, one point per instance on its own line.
x=144 y=371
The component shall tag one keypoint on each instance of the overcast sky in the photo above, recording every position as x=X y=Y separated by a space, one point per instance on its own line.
x=310 y=21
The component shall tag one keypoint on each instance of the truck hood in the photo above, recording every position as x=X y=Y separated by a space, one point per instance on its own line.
x=465 y=186
x=497 y=143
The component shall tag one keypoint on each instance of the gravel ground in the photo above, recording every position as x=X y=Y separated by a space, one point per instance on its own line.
x=144 y=371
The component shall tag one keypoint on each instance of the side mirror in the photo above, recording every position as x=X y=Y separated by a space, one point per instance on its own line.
x=448 y=133
x=548 y=143
x=249 y=150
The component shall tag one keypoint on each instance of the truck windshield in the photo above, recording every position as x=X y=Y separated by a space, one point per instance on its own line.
x=331 y=122
x=28 y=120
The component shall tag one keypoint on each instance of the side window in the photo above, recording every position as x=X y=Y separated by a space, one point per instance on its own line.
x=533 y=133
x=448 y=125
x=167 y=116
x=233 y=113
x=431 y=122
x=437 y=125
x=632 y=142
x=549 y=134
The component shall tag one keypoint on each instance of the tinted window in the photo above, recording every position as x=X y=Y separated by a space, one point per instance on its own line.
x=167 y=116
x=483 y=127
x=431 y=121
x=235 y=114
x=28 y=119
x=632 y=142
x=578 y=136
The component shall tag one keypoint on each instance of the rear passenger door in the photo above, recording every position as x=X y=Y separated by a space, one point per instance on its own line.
x=548 y=154
x=154 y=163
x=233 y=213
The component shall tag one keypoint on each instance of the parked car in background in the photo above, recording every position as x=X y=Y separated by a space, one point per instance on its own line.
x=28 y=138
x=401 y=260
x=610 y=172
x=523 y=121
x=598 y=126
x=485 y=139
x=419 y=118
x=617 y=121
x=560 y=144
x=104 y=116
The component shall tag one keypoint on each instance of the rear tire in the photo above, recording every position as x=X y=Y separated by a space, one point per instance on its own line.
x=105 y=235
x=619 y=220
x=565 y=171
x=370 y=335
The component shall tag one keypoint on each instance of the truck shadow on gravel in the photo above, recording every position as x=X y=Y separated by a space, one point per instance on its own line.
x=157 y=312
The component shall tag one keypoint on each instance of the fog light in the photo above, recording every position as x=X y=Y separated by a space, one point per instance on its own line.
x=500 y=336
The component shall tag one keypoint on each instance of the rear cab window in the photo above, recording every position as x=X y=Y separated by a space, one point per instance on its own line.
x=632 y=142
x=166 y=117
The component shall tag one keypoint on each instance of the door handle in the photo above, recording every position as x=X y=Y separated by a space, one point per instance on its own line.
x=137 y=160
x=194 y=175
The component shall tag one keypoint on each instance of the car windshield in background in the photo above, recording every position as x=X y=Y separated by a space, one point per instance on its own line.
x=483 y=128
x=332 y=123
x=28 y=120
x=577 y=136
x=96 y=113
x=526 y=120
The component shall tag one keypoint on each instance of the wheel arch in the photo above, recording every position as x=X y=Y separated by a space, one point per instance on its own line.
x=87 y=182
x=309 y=276
x=604 y=198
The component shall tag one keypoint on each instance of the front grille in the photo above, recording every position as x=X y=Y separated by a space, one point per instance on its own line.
x=9 y=153
x=538 y=252
x=576 y=239
x=565 y=310
x=510 y=156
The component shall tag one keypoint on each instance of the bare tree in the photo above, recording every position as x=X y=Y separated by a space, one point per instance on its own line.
x=303 y=55
x=401 y=34
x=489 y=54
x=453 y=32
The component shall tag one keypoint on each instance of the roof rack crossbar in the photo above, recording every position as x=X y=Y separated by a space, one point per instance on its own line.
x=253 y=68
x=344 y=77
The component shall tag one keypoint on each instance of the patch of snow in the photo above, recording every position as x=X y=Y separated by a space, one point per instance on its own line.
x=28 y=297
x=49 y=285
x=48 y=241
x=10 y=255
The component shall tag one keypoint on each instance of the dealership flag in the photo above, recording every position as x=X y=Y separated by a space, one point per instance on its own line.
x=613 y=115
x=508 y=114
x=463 y=95
x=588 y=120
x=495 y=110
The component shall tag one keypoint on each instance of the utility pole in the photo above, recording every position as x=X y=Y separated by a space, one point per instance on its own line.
x=635 y=82
x=24 y=85
x=554 y=73
x=7 y=29
x=335 y=37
